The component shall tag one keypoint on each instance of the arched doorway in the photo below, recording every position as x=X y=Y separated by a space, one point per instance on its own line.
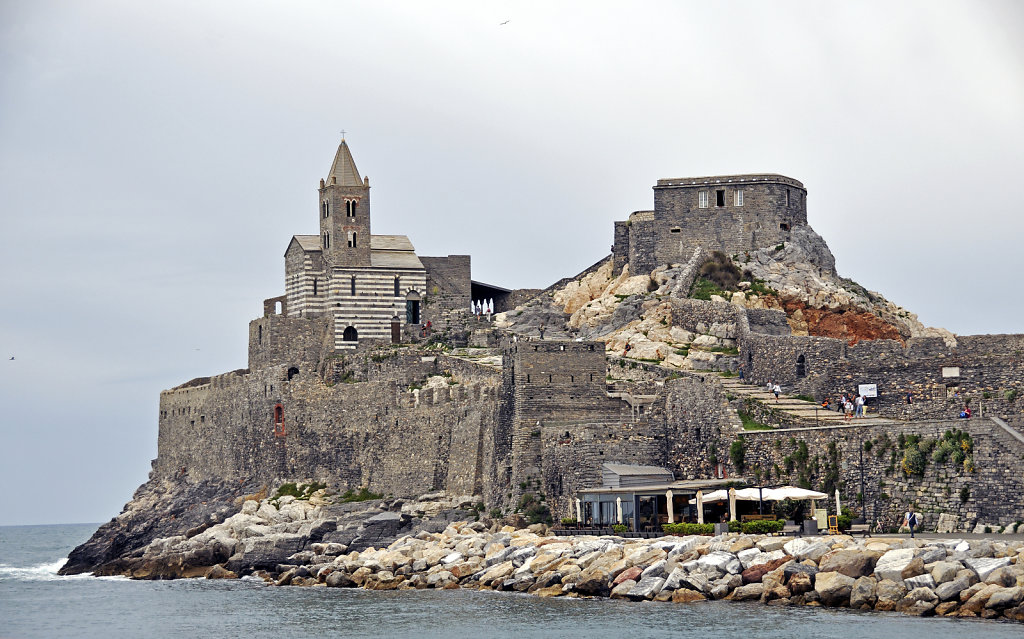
x=350 y=334
x=801 y=366
x=412 y=308
x=292 y=372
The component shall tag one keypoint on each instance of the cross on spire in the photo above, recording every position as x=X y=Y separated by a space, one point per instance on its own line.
x=343 y=134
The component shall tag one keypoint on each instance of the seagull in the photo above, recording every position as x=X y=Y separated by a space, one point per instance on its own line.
x=12 y=357
x=504 y=23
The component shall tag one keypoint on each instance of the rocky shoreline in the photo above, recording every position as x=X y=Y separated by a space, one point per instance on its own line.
x=302 y=543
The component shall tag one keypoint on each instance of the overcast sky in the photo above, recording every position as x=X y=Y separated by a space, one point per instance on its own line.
x=155 y=159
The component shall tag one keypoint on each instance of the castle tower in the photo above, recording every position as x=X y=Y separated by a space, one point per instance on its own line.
x=345 y=213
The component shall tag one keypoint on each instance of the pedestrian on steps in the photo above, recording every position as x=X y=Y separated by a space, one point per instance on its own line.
x=776 y=389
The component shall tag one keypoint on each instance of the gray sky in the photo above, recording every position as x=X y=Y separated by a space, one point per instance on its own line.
x=155 y=158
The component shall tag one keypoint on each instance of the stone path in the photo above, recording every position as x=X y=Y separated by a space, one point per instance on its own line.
x=806 y=413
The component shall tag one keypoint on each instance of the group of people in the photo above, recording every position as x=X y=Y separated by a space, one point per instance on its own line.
x=774 y=389
x=848 y=404
x=480 y=309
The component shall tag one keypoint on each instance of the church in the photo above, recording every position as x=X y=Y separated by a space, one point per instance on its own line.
x=374 y=288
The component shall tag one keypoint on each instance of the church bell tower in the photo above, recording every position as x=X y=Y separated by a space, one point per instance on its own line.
x=345 y=213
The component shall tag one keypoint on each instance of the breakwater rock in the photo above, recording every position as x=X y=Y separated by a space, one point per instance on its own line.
x=950 y=577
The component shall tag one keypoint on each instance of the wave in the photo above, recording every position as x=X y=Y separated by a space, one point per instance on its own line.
x=46 y=571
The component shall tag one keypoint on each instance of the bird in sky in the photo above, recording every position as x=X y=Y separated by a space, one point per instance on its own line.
x=12 y=356
x=504 y=23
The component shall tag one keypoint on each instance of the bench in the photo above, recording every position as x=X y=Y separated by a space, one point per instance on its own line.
x=860 y=529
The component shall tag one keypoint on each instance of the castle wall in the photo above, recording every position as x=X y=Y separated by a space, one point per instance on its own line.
x=940 y=378
x=293 y=341
x=382 y=434
x=992 y=494
x=449 y=291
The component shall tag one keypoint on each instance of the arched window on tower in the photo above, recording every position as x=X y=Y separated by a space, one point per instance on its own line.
x=350 y=208
x=801 y=366
x=325 y=208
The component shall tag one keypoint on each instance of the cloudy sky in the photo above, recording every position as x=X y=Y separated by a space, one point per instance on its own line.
x=155 y=158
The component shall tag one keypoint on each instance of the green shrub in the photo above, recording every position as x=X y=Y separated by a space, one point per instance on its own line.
x=790 y=509
x=569 y=521
x=362 y=495
x=737 y=452
x=1010 y=395
x=762 y=526
x=914 y=461
x=619 y=528
x=735 y=526
x=534 y=509
x=688 y=529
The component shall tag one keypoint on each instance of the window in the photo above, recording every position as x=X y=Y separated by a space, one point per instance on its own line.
x=720 y=197
x=801 y=366
x=292 y=372
x=787 y=197
x=316 y=283
x=398 y=285
x=327 y=240
x=353 y=284
x=702 y=199
x=259 y=337
x=784 y=226
x=325 y=208
x=675 y=230
x=350 y=334
x=350 y=208
x=279 y=421
x=737 y=197
x=352 y=239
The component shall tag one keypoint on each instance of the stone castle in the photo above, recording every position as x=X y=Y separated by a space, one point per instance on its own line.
x=345 y=384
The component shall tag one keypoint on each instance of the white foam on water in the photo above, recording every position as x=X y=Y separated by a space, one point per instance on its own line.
x=43 y=572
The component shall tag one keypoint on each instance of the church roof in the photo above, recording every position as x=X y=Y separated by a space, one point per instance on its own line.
x=393 y=251
x=344 y=167
x=307 y=242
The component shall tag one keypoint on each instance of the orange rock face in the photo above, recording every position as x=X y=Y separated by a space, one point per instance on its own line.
x=852 y=326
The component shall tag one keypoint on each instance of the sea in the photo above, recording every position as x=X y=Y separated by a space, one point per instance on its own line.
x=36 y=602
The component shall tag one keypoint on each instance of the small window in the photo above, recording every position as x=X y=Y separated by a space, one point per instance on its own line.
x=787 y=197
x=350 y=208
x=702 y=199
x=325 y=207
x=801 y=366
x=784 y=226
x=720 y=197
x=279 y=421
x=353 y=284
x=292 y=372
x=737 y=197
x=316 y=283
x=259 y=334
x=350 y=334
x=675 y=230
x=352 y=239
x=398 y=286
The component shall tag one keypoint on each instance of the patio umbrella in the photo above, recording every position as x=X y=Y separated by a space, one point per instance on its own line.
x=732 y=504
x=700 y=506
x=839 y=510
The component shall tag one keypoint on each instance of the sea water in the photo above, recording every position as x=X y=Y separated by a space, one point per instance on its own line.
x=35 y=602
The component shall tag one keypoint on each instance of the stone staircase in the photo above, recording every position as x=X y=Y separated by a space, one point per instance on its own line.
x=803 y=414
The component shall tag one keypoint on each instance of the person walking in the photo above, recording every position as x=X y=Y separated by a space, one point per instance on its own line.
x=910 y=520
x=860 y=406
x=741 y=372
x=776 y=389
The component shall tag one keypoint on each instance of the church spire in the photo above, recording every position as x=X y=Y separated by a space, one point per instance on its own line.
x=344 y=170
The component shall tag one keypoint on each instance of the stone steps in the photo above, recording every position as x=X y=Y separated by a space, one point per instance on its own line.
x=802 y=411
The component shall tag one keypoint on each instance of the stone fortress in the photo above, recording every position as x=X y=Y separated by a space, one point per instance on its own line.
x=346 y=386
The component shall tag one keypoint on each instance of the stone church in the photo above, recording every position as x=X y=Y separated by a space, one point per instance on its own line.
x=373 y=287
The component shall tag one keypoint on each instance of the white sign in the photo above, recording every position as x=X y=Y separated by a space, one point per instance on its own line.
x=868 y=390
x=951 y=371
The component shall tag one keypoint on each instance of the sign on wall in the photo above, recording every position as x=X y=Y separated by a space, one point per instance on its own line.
x=868 y=390
x=951 y=371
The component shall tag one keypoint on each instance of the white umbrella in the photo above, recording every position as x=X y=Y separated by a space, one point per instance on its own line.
x=839 y=510
x=700 y=507
x=732 y=504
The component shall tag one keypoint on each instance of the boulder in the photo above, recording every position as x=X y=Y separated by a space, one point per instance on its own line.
x=952 y=589
x=943 y=571
x=696 y=581
x=340 y=579
x=629 y=574
x=890 y=566
x=719 y=563
x=918 y=602
x=800 y=583
x=984 y=566
x=675 y=579
x=685 y=595
x=220 y=572
x=657 y=569
x=1005 y=576
x=946 y=608
x=947 y=523
x=622 y=589
x=1006 y=598
x=646 y=588
x=889 y=593
x=593 y=582
x=978 y=600
x=931 y=554
x=833 y=588
x=919 y=581
x=862 y=596
x=852 y=563
x=748 y=592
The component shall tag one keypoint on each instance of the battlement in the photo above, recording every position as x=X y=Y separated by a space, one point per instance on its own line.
x=711 y=180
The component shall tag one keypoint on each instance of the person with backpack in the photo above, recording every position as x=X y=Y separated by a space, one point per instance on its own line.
x=910 y=520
